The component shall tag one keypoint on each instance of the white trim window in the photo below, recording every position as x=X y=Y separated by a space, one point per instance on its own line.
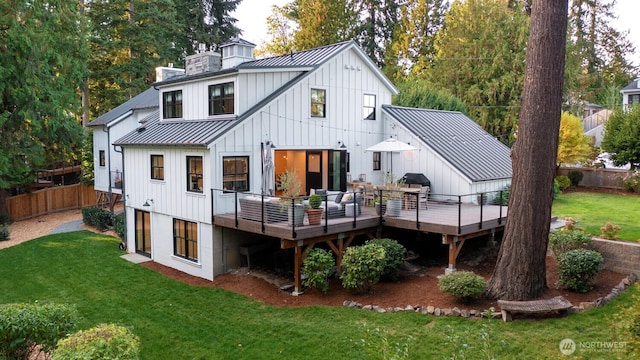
x=318 y=103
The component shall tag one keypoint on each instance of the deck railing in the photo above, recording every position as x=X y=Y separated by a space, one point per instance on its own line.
x=266 y=209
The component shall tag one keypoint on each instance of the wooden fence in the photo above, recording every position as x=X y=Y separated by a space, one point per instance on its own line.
x=604 y=178
x=50 y=200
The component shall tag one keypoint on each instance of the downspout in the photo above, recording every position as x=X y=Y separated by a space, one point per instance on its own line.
x=105 y=128
x=124 y=198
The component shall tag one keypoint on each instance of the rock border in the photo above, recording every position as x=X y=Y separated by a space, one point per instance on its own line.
x=494 y=314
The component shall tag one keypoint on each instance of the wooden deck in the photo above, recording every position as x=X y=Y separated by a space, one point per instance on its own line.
x=455 y=222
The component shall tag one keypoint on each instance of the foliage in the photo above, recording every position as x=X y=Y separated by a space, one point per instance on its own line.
x=622 y=137
x=5 y=234
x=413 y=45
x=24 y=326
x=418 y=93
x=317 y=266
x=5 y=219
x=626 y=328
x=609 y=231
x=464 y=285
x=631 y=181
x=465 y=343
x=41 y=67
x=578 y=268
x=97 y=217
x=280 y=26
x=315 y=200
x=204 y=21
x=118 y=225
x=105 y=341
x=502 y=198
x=562 y=241
x=88 y=176
x=323 y=22
x=481 y=62
x=376 y=28
x=290 y=186
x=573 y=145
x=382 y=344
x=563 y=182
x=575 y=177
x=394 y=256
x=362 y=267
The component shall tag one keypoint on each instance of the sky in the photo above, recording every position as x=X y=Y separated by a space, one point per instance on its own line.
x=252 y=15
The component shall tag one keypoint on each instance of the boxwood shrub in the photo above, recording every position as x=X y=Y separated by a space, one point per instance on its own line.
x=561 y=241
x=394 y=256
x=4 y=233
x=98 y=218
x=563 y=182
x=362 y=267
x=317 y=267
x=25 y=326
x=578 y=268
x=465 y=285
x=105 y=341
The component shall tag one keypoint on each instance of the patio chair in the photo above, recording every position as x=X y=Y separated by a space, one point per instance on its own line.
x=369 y=193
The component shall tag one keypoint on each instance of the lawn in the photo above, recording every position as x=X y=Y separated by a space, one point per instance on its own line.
x=177 y=321
x=593 y=210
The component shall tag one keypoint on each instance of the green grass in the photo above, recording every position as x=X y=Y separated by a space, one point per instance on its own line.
x=593 y=210
x=177 y=321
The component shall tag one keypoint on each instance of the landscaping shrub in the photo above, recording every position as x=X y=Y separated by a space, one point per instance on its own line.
x=25 y=326
x=98 y=218
x=5 y=219
x=631 y=181
x=563 y=182
x=562 y=241
x=394 y=256
x=626 y=324
x=4 y=233
x=556 y=188
x=577 y=269
x=105 y=341
x=504 y=198
x=609 y=231
x=118 y=225
x=575 y=177
x=464 y=285
x=362 y=267
x=317 y=266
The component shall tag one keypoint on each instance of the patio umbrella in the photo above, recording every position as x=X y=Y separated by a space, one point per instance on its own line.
x=268 y=183
x=391 y=145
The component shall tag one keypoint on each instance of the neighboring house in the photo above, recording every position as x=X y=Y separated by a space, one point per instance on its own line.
x=631 y=94
x=594 y=125
x=314 y=111
x=107 y=162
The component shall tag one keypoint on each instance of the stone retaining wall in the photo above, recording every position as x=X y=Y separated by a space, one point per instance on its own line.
x=619 y=256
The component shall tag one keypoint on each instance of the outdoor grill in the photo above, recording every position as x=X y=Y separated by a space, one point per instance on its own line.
x=416 y=178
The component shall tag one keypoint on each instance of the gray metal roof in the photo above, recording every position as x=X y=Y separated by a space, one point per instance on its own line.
x=306 y=58
x=146 y=99
x=183 y=133
x=458 y=140
x=633 y=86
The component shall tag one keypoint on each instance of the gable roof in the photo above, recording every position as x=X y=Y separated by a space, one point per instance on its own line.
x=187 y=133
x=633 y=86
x=458 y=140
x=145 y=100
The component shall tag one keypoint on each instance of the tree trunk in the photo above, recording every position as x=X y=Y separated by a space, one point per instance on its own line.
x=520 y=272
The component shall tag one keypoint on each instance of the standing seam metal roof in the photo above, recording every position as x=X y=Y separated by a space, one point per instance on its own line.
x=145 y=100
x=458 y=140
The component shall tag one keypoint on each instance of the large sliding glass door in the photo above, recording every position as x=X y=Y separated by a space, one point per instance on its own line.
x=143 y=232
x=338 y=170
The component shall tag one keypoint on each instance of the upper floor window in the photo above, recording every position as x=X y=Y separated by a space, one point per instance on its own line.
x=194 y=174
x=221 y=99
x=102 y=160
x=376 y=161
x=318 y=102
x=369 y=107
x=172 y=104
x=157 y=167
x=235 y=173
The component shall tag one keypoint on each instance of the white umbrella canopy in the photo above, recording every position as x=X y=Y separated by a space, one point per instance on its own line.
x=391 y=145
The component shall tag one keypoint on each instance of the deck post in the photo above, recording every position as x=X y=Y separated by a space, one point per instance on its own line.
x=297 y=264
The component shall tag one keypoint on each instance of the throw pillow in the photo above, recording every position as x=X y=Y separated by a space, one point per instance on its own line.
x=339 y=197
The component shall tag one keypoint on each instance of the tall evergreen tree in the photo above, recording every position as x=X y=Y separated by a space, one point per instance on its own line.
x=376 y=27
x=42 y=68
x=480 y=59
x=322 y=22
x=205 y=21
x=520 y=272
x=413 y=48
